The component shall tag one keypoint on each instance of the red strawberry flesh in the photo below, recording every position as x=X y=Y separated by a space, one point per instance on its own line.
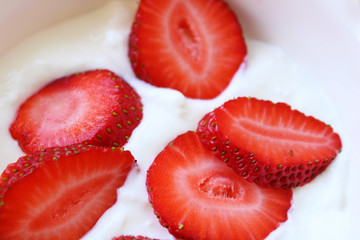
x=60 y=193
x=96 y=107
x=191 y=46
x=196 y=196
x=268 y=143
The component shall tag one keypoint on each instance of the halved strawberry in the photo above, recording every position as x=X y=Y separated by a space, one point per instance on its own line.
x=196 y=196
x=60 y=193
x=193 y=46
x=269 y=144
x=96 y=107
x=128 y=237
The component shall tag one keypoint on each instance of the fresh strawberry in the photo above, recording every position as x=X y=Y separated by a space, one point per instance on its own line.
x=193 y=46
x=269 y=143
x=128 y=237
x=96 y=107
x=196 y=196
x=60 y=193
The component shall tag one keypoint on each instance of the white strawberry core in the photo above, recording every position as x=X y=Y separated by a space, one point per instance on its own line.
x=60 y=108
x=192 y=42
x=222 y=187
x=188 y=39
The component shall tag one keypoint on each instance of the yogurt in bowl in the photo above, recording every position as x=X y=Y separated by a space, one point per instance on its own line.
x=308 y=73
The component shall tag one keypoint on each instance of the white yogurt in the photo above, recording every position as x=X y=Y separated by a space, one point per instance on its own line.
x=99 y=40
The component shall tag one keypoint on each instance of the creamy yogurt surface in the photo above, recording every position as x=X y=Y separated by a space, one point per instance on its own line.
x=99 y=40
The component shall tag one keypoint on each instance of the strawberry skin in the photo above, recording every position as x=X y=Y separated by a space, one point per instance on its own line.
x=193 y=46
x=60 y=193
x=196 y=196
x=128 y=237
x=269 y=144
x=97 y=107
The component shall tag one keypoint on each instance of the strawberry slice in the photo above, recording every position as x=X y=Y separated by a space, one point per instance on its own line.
x=192 y=46
x=268 y=143
x=196 y=196
x=60 y=193
x=128 y=237
x=96 y=107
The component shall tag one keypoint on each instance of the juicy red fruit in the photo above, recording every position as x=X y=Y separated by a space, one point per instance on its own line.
x=192 y=46
x=60 y=193
x=269 y=143
x=97 y=107
x=196 y=196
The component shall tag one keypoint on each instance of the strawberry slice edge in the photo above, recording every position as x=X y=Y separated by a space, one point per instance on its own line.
x=96 y=107
x=233 y=132
x=192 y=192
x=176 y=40
x=51 y=192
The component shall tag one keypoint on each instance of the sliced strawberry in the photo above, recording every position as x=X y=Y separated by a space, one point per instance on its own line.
x=196 y=196
x=128 y=237
x=96 y=107
x=60 y=193
x=192 y=46
x=268 y=143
